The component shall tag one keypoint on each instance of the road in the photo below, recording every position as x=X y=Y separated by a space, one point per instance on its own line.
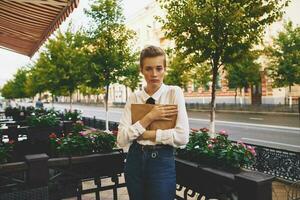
x=278 y=131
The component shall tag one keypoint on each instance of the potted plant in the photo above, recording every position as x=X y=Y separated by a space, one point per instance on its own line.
x=217 y=152
x=82 y=143
x=6 y=151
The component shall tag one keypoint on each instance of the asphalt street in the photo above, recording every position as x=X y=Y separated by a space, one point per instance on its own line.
x=273 y=130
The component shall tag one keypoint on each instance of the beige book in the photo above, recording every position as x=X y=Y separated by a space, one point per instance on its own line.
x=138 y=111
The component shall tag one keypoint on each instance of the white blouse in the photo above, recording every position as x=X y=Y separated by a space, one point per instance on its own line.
x=176 y=137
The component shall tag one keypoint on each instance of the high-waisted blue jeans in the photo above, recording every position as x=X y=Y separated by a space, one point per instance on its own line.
x=150 y=174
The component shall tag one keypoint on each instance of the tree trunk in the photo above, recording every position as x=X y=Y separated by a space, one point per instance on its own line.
x=106 y=108
x=213 y=97
x=290 y=96
x=241 y=97
x=126 y=88
x=235 y=95
x=70 y=101
x=52 y=96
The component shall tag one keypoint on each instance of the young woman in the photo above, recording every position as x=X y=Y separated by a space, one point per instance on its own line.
x=150 y=164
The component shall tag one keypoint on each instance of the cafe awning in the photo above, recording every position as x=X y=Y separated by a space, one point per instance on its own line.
x=26 y=24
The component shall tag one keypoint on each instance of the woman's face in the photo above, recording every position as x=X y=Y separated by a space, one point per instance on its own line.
x=153 y=70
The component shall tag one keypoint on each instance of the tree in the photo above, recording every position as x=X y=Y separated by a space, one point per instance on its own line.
x=65 y=60
x=7 y=91
x=217 y=31
x=285 y=57
x=244 y=72
x=177 y=71
x=36 y=83
x=131 y=77
x=110 y=52
x=15 y=88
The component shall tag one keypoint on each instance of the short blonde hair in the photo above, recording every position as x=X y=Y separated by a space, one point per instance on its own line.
x=150 y=52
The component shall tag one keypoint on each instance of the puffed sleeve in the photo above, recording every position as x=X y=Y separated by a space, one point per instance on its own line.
x=127 y=132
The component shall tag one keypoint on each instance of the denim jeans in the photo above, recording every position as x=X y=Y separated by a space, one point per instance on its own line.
x=150 y=174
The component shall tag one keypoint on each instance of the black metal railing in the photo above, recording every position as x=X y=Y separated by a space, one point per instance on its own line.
x=277 y=162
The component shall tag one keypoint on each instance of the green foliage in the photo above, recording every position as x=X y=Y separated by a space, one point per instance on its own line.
x=109 y=48
x=15 y=88
x=72 y=115
x=74 y=145
x=77 y=127
x=43 y=120
x=103 y=142
x=40 y=77
x=285 y=57
x=218 y=151
x=177 y=71
x=244 y=72
x=5 y=151
x=131 y=77
x=89 y=141
x=217 y=32
x=66 y=60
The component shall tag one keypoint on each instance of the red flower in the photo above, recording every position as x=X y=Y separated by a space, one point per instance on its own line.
x=115 y=132
x=52 y=136
x=11 y=141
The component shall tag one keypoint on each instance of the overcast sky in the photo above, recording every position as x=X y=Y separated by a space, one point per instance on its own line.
x=10 y=61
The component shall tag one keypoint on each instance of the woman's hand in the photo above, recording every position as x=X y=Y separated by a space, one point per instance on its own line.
x=159 y=112
x=162 y=112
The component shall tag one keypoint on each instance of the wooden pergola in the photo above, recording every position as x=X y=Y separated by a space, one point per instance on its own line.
x=26 y=24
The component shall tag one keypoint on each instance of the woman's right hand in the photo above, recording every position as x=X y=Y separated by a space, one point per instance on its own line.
x=162 y=112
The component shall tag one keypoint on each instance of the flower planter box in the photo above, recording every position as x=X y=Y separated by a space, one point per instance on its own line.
x=217 y=183
x=68 y=173
x=41 y=133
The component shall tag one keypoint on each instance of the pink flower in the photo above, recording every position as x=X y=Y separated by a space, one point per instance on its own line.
x=252 y=150
x=210 y=146
x=223 y=132
x=83 y=133
x=204 y=130
x=241 y=143
x=79 y=122
x=194 y=129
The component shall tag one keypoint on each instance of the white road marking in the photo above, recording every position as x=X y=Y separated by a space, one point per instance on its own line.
x=256 y=118
x=249 y=124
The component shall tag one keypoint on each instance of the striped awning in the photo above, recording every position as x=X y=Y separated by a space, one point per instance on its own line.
x=26 y=24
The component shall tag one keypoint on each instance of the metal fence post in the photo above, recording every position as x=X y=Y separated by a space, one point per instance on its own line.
x=254 y=185
x=38 y=172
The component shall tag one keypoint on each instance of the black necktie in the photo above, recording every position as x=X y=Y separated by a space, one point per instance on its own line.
x=150 y=100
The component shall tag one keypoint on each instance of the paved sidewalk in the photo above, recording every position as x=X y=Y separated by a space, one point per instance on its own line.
x=279 y=191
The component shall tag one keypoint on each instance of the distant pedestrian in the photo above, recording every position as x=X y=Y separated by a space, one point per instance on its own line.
x=39 y=104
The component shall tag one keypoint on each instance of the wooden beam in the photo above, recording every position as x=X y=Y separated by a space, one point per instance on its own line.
x=48 y=2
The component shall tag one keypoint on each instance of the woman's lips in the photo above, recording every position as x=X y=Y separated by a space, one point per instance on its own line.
x=154 y=81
